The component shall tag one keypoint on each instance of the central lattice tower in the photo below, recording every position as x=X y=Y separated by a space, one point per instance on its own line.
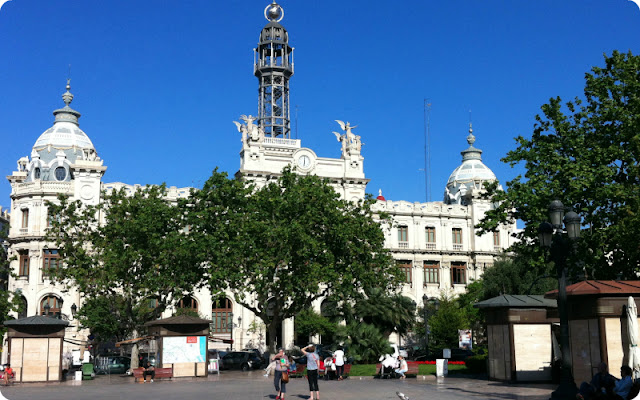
x=273 y=66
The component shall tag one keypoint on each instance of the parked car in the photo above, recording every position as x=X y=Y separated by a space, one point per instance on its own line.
x=113 y=365
x=243 y=360
x=258 y=354
x=456 y=355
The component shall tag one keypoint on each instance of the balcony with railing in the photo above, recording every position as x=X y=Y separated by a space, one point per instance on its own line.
x=457 y=247
x=430 y=246
x=39 y=186
x=403 y=245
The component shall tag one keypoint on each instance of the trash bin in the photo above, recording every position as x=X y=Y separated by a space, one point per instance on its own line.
x=442 y=367
x=87 y=371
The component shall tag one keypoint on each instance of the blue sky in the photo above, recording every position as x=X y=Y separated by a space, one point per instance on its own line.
x=159 y=83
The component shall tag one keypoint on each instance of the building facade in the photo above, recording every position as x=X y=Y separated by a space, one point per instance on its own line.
x=434 y=243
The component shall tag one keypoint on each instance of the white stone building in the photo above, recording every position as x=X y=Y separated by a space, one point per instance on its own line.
x=435 y=243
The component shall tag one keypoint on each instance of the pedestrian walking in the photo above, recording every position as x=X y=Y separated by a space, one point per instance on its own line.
x=282 y=366
x=338 y=355
x=312 y=370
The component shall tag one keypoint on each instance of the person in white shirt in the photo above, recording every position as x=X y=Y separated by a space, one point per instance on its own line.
x=338 y=355
x=402 y=368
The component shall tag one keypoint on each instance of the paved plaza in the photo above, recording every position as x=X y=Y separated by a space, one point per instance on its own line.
x=252 y=385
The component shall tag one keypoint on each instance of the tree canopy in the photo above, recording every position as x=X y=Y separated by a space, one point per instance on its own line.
x=445 y=323
x=584 y=153
x=9 y=301
x=128 y=255
x=280 y=247
x=309 y=323
x=389 y=312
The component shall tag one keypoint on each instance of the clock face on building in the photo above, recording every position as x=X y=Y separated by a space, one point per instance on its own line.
x=304 y=161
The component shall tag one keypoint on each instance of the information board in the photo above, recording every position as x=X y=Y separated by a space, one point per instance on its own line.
x=184 y=349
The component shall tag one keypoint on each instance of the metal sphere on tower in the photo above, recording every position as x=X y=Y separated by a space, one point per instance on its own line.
x=274 y=12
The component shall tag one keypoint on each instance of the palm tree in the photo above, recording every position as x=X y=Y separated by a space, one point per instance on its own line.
x=388 y=313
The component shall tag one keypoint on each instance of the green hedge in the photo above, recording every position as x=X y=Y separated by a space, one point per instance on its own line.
x=477 y=364
x=423 y=369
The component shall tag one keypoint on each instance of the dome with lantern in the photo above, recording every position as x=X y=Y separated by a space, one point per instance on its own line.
x=60 y=146
x=469 y=177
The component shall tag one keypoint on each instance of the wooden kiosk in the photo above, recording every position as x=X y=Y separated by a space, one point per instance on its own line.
x=598 y=324
x=35 y=348
x=182 y=344
x=520 y=338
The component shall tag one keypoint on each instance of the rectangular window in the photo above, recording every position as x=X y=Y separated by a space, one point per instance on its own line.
x=220 y=321
x=457 y=235
x=51 y=260
x=431 y=272
x=458 y=273
x=51 y=218
x=25 y=218
x=403 y=234
x=430 y=234
x=496 y=238
x=405 y=267
x=24 y=264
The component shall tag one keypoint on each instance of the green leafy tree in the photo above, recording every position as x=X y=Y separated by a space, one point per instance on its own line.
x=511 y=276
x=9 y=301
x=281 y=247
x=445 y=323
x=131 y=249
x=388 y=312
x=104 y=316
x=309 y=323
x=189 y=312
x=475 y=319
x=586 y=154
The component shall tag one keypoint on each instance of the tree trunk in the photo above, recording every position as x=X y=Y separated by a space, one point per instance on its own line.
x=273 y=335
x=134 y=357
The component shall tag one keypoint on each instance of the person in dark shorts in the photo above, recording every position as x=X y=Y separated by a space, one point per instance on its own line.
x=312 y=370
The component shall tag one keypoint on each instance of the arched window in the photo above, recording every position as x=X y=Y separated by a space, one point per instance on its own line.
x=221 y=316
x=189 y=303
x=22 y=308
x=329 y=309
x=51 y=306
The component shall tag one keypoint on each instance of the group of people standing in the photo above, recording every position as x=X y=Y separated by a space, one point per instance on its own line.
x=281 y=364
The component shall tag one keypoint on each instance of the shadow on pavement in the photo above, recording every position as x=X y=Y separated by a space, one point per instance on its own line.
x=514 y=395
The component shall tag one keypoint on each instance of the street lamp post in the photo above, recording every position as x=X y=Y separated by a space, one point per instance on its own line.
x=551 y=236
x=231 y=328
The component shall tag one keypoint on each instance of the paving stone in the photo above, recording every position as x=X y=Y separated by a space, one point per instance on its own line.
x=252 y=385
